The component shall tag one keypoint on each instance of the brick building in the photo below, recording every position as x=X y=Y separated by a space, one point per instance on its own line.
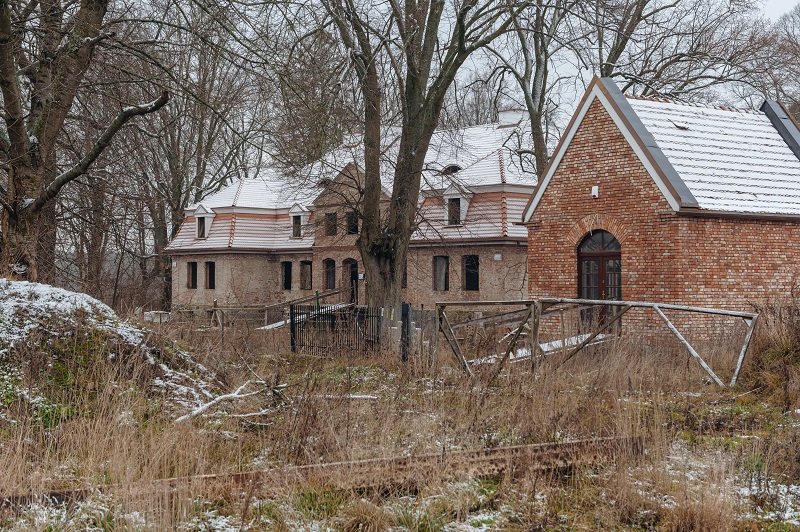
x=262 y=240
x=654 y=200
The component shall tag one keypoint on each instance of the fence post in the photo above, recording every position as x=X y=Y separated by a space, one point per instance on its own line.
x=293 y=328
x=405 y=331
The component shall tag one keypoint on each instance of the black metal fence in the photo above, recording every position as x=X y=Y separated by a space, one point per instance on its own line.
x=334 y=329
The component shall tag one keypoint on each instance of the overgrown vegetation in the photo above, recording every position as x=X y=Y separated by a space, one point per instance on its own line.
x=715 y=459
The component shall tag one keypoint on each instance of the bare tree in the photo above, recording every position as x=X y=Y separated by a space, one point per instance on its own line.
x=542 y=36
x=671 y=47
x=45 y=50
x=405 y=54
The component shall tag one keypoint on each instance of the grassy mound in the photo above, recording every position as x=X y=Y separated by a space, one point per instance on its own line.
x=60 y=349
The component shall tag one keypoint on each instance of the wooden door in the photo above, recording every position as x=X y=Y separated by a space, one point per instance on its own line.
x=600 y=272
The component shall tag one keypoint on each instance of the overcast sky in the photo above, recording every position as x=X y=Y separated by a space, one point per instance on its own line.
x=775 y=8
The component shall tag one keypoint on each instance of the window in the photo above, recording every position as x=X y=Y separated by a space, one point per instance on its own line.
x=191 y=275
x=286 y=275
x=201 y=227
x=404 y=281
x=599 y=273
x=305 y=275
x=441 y=273
x=454 y=211
x=330 y=223
x=471 y=272
x=352 y=223
x=211 y=275
x=297 y=226
x=329 y=269
x=451 y=169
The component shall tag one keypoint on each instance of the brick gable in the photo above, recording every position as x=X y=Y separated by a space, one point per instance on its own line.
x=668 y=257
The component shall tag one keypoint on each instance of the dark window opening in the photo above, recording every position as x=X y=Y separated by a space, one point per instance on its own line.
x=441 y=273
x=286 y=275
x=297 y=226
x=191 y=274
x=330 y=223
x=201 y=227
x=305 y=275
x=454 y=211
x=329 y=271
x=404 y=282
x=352 y=223
x=211 y=275
x=471 y=267
x=451 y=169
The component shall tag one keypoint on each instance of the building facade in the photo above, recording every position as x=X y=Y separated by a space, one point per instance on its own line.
x=654 y=200
x=262 y=241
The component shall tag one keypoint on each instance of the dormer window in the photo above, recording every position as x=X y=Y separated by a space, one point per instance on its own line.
x=203 y=219
x=455 y=202
x=299 y=217
x=297 y=226
x=453 y=211
x=451 y=169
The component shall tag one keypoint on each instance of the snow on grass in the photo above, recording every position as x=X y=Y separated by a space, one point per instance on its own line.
x=782 y=502
x=26 y=308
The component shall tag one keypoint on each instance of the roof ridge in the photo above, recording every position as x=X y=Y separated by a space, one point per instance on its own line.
x=238 y=192
x=717 y=107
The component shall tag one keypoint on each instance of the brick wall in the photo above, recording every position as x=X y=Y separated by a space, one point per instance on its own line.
x=720 y=262
x=241 y=279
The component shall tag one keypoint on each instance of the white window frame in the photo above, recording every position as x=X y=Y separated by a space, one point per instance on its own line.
x=453 y=193
x=207 y=215
x=298 y=210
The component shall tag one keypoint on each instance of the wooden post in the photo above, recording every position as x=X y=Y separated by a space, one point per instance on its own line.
x=511 y=344
x=434 y=347
x=535 y=316
x=595 y=334
x=689 y=347
x=450 y=336
x=743 y=352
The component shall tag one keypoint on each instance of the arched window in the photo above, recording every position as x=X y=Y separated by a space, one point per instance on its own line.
x=600 y=266
x=329 y=273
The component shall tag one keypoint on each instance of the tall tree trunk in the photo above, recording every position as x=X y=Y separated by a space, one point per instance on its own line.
x=22 y=225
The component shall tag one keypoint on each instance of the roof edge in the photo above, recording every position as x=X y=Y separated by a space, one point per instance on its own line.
x=684 y=196
x=784 y=123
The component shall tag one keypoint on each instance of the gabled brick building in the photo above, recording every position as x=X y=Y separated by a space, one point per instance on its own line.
x=263 y=240
x=656 y=200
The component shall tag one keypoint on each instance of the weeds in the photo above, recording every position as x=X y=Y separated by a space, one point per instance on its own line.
x=102 y=427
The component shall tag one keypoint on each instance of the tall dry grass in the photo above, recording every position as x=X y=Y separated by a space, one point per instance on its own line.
x=116 y=434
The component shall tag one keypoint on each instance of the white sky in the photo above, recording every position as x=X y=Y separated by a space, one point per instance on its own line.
x=775 y=8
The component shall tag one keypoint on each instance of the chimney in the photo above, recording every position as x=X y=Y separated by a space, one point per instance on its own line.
x=783 y=122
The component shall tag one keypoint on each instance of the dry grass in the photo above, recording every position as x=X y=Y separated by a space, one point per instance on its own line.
x=115 y=434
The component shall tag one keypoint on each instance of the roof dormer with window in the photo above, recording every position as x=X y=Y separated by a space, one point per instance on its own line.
x=456 y=203
x=299 y=218
x=203 y=220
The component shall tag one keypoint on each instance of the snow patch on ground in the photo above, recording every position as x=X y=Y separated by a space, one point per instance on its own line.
x=784 y=501
x=27 y=307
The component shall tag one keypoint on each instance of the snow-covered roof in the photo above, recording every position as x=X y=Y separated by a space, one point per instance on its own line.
x=268 y=190
x=254 y=214
x=487 y=155
x=730 y=160
x=717 y=160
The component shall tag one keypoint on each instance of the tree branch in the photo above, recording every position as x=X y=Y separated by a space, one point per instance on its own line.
x=102 y=143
